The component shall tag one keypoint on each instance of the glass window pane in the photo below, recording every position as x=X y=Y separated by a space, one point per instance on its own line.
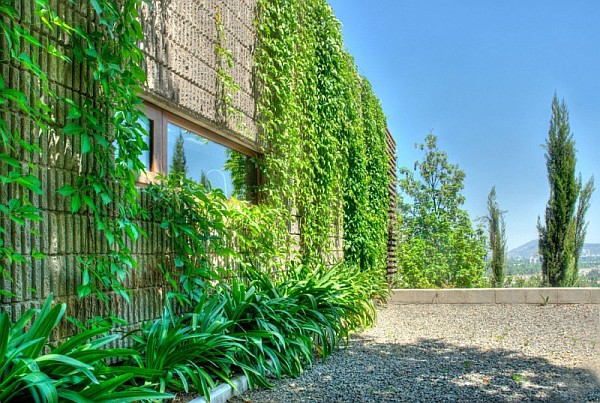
x=146 y=156
x=210 y=163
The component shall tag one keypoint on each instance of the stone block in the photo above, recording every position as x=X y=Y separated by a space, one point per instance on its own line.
x=413 y=296
x=573 y=295
x=510 y=296
x=595 y=296
x=466 y=296
x=540 y=296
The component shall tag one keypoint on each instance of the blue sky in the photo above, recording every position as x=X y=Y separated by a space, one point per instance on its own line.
x=481 y=74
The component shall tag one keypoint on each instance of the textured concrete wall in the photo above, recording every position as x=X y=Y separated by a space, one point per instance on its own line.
x=180 y=48
x=181 y=62
x=63 y=237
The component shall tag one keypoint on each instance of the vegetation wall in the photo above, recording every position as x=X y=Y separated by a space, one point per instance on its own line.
x=270 y=79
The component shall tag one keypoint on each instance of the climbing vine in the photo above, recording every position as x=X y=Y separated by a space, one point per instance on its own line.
x=18 y=171
x=103 y=125
x=108 y=191
x=323 y=131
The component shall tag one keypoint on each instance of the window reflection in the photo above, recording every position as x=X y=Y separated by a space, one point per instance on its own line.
x=210 y=163
x=146 y=157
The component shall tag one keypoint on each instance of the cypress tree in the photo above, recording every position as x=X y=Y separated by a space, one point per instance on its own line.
x=562 y=234
x=204 y=180
x=497 y=239
x=179 y=163
x=583 y=205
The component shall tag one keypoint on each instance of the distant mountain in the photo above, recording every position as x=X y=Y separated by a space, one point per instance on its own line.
x=524 y=251
x=530 y=249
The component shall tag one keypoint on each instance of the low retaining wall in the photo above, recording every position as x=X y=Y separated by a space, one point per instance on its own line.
x=539 y=296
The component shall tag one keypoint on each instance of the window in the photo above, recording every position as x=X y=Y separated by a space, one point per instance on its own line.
x=176 y=144
x=146 y=154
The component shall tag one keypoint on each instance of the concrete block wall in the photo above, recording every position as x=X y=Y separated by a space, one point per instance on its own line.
x=64 y=237
x=180 y=42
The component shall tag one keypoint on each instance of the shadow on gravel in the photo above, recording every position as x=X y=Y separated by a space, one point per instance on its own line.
x=432 y=370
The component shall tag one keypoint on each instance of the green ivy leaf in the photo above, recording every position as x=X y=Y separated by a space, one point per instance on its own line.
x=73 y=128
x=86 y=145
x=74 y=113
x=75 y=203
x=66 y=190
x=83 y=291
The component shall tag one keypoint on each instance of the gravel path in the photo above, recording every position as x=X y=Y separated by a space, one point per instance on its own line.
x=441 y=353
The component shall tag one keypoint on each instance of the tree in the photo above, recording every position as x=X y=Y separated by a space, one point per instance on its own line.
x=204 y=181
x=497 y=239
x=179 y=163
x=585 y=195
x=438 y=245
x=562 y=234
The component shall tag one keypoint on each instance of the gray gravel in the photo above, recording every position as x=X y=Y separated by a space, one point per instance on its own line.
x=441 y=353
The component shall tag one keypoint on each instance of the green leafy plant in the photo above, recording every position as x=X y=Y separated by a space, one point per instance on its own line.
x=497 y=240
x=273 y=334
x=316 y=151
x=190 y=354
x=302 y=311
x=226 y=108
x=562 y=233
x=438 y=245
x=195 y=221
x=517 y=377
x=74 y=370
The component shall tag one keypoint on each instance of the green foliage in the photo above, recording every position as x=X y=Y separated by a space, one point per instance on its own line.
x=583 y=204
x=227 y=87
x=244 y=171
x=109 y=50
x=187 y=354
x=590 y=279
x=497 y=239
x=306 y=140
x=562 y=234
x=438 y=245
x=18 y=172
x=195 y=221
x=308 y=309
x=258 y=239
x=256 y=324
x=203 y=226
x=534 y=281
x=323 y=130
x=75 y=370
x=315 y=112
x=366 y=195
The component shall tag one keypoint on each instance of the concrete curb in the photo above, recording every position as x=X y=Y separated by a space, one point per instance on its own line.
x=536 y=296
x=224 y=392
